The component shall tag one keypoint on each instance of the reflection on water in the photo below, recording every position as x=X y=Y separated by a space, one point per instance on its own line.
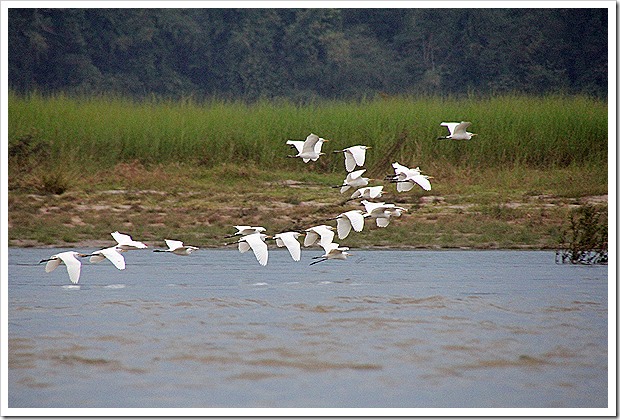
x=382 y=329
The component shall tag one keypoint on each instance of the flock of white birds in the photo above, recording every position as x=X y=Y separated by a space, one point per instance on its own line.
x=253 y=237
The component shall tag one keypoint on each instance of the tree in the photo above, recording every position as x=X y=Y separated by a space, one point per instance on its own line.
x=308 y=53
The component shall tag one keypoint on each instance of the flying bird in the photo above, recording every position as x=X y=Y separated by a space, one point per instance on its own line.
x=457 y=131
x=333 y=251
x=68 y=258
x=177 y=247
x=255 y=242
x=382 y=212
x=347 y=220
x=126 y=243
x=243 y=230
x=113 y=254
x=353 y=180
x=299 y=145
x=322 y=234
x=309 y=150
x=354 y=156
x=368 y=192
x=406 y=178
x=289 y=240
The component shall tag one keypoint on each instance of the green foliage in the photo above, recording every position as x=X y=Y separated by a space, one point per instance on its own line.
x=304 y=54
x=585 y=241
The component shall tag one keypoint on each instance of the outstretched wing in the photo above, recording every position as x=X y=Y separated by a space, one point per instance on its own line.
x=73 y=266
x=329 y=246
x=354 y=175
x=319 y=145
x=327 y=235
x=359 y=155
x=292 y=244
x=114 y=256
x=172 y=244
x=349 y=160
x=297 y=144
x=422 y=181
x=399 y=169
x=461 y=128
x=52 y=265
x=244 y=246
x=311 y=237
x=382 y=221
x=344 y=226
x=375 y=192
x=451 y=126
x=404 y=186
x=356 y=218
x=121 y=238
x=309 y=143
x=259 y=247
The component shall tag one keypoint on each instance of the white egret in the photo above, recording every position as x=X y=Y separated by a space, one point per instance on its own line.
x=353 y=180
x=457 y=131
x=243 y=230
x=255 y=242
x=333 y=251
x=289 y=240
x=309 y=150
x=177 y=247
x=406 y=178
x=68 y=258
x=126 y=243
x=299 y=145
x=112 y=253
x=368 y=192
x=323 y=234
x=382 y=212
x=354 y=155
x=347 y=220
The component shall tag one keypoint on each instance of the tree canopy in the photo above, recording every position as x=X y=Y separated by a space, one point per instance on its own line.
x=308 y=53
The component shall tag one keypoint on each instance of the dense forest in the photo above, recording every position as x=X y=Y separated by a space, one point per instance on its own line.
x=304 y=54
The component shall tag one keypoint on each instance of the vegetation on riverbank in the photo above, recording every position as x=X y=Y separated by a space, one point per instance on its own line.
x=81 y=167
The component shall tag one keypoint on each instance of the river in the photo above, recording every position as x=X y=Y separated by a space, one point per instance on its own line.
x=476 y=329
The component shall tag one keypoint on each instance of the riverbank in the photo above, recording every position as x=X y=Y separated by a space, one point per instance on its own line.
x=512 y=208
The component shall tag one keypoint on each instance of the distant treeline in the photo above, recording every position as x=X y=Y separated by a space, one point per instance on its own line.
x=302 y=54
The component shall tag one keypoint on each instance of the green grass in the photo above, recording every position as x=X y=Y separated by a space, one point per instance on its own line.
x=103 y=131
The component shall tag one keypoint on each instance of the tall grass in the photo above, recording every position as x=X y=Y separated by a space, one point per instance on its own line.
x=102 y=131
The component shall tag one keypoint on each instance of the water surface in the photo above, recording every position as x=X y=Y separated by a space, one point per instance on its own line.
x=382 y=329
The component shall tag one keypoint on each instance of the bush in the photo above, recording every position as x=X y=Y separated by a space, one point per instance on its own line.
x=585 y=241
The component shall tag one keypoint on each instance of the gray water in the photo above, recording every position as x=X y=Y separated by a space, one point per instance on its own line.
x=381 y=329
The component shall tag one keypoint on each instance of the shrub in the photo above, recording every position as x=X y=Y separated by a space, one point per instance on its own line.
x=585 y=240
